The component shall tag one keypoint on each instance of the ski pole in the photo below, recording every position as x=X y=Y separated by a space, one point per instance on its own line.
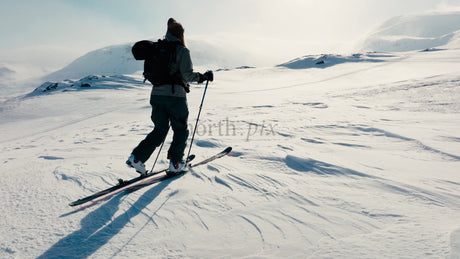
x=159 y=151
x=198 y=118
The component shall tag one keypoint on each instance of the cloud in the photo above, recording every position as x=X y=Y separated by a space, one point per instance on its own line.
x=448 y=6
x=50 y=34
x=265 y=28
x=28 y=23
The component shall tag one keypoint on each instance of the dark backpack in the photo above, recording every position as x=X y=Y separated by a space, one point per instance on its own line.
x=159 y=58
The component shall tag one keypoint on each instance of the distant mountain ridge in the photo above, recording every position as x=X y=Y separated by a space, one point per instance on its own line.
x=118 y=60
x=110 y=60
x=416 y=32
x=403 y=33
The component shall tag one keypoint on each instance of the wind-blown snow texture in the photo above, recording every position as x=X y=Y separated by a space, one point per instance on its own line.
x=356 y=157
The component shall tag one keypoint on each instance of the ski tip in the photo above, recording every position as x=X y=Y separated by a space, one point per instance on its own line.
x=228 y=150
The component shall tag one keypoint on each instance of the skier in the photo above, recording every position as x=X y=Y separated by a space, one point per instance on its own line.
x=169 y=106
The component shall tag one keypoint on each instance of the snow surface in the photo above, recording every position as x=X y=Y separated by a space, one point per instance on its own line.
x=355 y=157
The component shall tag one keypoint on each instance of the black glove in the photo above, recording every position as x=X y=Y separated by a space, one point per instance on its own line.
x=206 y=76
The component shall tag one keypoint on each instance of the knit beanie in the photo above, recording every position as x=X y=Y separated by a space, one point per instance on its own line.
x=175 y=28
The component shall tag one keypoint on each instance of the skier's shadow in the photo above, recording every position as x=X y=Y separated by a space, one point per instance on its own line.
x=97 y=228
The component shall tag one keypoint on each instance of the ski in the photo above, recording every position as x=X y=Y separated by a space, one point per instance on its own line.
x=214 y=157
x=142 y=181
x=121 y=183
x=170 y=174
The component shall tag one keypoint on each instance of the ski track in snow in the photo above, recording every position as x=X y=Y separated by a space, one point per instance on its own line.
x=351 y=164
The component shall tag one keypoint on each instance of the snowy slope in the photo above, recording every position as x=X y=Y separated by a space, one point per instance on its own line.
x=416 y=32
x=328 y=60
x=359 y=160
x=353 y=157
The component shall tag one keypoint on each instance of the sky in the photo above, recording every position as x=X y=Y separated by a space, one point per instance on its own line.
x=53 y=32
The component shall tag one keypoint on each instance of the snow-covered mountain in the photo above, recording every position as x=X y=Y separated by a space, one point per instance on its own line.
x=111 y=60
x=328 y=60
x=416 y=32
x=118 y=60
x=334 y=156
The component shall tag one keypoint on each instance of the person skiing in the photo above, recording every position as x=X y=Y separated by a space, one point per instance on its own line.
x=169 y=105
